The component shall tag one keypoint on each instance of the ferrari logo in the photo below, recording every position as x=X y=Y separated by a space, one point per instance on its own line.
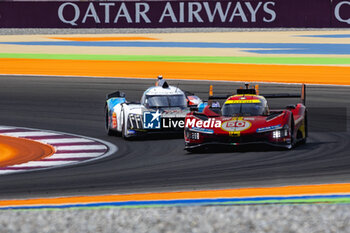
x=234 y=134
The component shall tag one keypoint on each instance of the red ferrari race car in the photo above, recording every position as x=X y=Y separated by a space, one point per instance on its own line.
x=245 y=118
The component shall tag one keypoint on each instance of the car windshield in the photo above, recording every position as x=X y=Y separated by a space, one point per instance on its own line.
x=243 y=109
x=156 y=101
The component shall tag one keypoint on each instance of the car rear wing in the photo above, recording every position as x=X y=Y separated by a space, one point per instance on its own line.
x=302 y=95
x=116 y=94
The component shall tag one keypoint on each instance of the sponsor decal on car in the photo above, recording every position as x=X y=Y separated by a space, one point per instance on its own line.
x=269 y=128
x=202 y=130
x=130 y=131
x=242 y=101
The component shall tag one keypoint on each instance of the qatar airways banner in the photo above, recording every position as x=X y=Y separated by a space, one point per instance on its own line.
x=340 y=13
x=168 y=14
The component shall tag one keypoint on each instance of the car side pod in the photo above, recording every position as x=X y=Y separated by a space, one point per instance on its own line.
x=302 y=95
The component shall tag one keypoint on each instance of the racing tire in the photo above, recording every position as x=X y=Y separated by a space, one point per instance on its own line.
x=303 y=141
x=292 y=142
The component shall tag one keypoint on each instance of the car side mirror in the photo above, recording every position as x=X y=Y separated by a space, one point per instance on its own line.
x=193 y=108
x=145 y=103
x=215 y=104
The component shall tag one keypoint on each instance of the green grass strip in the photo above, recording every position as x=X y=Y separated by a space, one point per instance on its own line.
x=200 y=59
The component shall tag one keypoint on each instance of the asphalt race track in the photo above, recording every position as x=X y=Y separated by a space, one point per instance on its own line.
x=76 y=105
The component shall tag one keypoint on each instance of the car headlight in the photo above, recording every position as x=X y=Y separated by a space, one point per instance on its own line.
x=134 y=116
x=276 y=134
x=135 y=121
x=281 y=133
x=192 y=135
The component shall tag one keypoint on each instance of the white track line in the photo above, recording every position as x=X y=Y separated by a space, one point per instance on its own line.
x=82 y=147
x=64 y=140
x=6 y=127
x=74 y=155
x=3 y=172
x=29 y=134
x=41 y=163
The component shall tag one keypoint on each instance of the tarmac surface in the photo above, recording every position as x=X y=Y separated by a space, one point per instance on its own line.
x=76 y=105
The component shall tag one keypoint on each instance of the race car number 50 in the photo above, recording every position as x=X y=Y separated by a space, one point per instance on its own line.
x=236 y=125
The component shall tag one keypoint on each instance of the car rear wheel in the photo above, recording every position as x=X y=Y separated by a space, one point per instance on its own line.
x=303 y=141
x=291 y=144
x=110 y=132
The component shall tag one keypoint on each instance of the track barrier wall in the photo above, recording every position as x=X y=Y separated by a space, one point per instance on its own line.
x=176 y=14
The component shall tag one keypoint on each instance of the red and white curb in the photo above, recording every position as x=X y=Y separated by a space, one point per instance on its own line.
x=69 y=148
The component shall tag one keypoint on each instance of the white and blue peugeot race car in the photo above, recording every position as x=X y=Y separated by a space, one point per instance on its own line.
x=162 y=109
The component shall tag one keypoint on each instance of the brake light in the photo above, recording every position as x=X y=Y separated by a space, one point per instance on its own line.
x=114 y=120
